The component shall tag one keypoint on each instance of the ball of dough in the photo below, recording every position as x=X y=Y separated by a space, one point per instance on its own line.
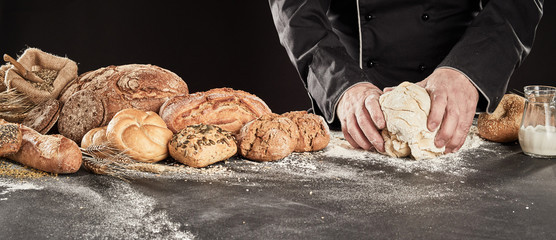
x=503 y=124
x=314 y=134
x=201 y=145
x=406 y=109
x=141 y=135
x=268 y=138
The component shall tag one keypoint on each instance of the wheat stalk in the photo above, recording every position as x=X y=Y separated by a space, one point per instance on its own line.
x=106 y=160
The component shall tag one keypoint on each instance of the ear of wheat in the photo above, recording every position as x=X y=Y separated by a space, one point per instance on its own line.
x=105 y=160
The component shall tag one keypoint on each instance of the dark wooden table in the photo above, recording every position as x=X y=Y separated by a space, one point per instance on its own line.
x=488 y=191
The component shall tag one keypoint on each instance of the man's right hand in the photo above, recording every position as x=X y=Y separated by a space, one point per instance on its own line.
x=361 y=117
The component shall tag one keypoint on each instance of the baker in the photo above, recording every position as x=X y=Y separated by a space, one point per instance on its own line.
x=462 y=52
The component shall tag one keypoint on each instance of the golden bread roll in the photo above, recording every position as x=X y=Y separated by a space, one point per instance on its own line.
x=503 y=124
x=314 y=134
x=141 y=135
x=95 y=137
x=201 y=145
x=268 y=138
x=224 y=107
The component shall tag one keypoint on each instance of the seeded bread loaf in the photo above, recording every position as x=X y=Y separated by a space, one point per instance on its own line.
x=94 y=99
x=268 y=138
x=10 y=138
x=201 y=145
x=226 y=108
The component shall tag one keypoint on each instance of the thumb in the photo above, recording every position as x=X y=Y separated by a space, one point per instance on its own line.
x=423 y=83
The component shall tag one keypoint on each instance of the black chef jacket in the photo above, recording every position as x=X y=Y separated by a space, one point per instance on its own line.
x=335 y=44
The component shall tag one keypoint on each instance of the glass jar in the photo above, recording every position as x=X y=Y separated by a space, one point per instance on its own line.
x=537 y=134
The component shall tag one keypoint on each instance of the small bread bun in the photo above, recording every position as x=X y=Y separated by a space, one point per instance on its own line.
x=141 y=135
x=201 y=145
x=503 y=124
x=95 y=137
x=268 y=138
x=314 y=134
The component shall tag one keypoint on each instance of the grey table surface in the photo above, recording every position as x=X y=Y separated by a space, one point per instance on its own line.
x=486 y=191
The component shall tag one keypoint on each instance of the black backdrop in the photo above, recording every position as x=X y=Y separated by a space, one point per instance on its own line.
x=208 y=43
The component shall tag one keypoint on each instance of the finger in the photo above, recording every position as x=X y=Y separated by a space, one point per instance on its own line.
x=373 y=107
x=357 y=134
x=449 y=125
x=348 y=138
x=422 y=84
x=439 y=100
x=387 y=89
x=368 y=127
x=462 y=130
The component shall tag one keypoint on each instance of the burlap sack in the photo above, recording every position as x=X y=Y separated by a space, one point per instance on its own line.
x=67 y=72
x=3 y=70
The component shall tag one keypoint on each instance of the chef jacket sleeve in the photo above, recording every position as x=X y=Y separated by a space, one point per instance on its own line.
x=325 y=67
x=496 y=43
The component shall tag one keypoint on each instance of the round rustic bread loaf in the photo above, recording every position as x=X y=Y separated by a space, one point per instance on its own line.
x=226 y=108
x=201 y=145
x=268 y=138
x=111 y=89
x=314 y=134
x=141 y=135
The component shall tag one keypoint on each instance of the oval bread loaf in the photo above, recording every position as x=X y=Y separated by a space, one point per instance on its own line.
x=226 y=108
x=10 y=138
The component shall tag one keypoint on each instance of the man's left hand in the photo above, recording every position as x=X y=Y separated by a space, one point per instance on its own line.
x=453 y=102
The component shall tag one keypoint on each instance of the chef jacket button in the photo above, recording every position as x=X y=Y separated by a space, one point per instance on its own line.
x=371 y=64
x=369 y=17
x=425 y=17
x=422 y=67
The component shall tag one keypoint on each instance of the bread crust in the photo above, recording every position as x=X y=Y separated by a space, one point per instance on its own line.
x=504 y=123
x=43 y=116
x=268 y=138
x=226 y=108
x=314 y=133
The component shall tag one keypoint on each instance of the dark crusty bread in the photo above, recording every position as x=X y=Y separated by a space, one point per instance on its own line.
x=10 y=138
x=143 y=87
x=49 y=153
x=201 y=145
x=81 y=113
x=226 y=108
x=43 y=116
x=268 y=138
x=314 y=134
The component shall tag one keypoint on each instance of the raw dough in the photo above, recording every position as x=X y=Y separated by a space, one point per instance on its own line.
x=406 y=109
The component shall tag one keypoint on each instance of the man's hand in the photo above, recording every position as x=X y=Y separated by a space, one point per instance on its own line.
x=453 y=102
x=361 y=116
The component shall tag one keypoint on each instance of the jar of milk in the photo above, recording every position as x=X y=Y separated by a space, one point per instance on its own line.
x=537 y=134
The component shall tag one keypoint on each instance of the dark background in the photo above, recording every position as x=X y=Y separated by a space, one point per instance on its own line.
x=209 y=44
